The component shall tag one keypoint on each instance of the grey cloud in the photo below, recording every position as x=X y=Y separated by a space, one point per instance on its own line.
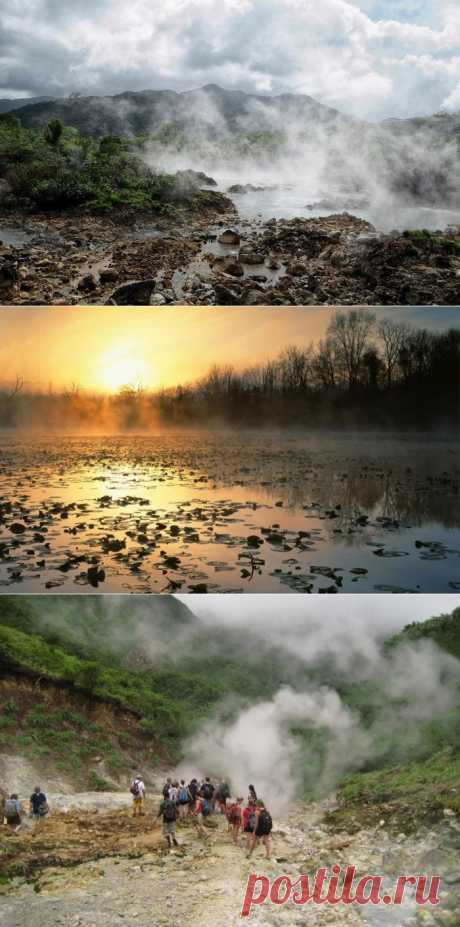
x=339 y=53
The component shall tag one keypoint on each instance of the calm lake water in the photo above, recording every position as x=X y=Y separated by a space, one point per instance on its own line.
x=224 y=512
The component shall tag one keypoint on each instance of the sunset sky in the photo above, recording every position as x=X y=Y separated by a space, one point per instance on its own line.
x=105 y=348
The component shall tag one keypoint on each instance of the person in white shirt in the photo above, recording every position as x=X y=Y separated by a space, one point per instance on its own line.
x=138 y=792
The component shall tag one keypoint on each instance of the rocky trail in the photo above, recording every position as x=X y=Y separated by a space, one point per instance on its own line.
x=92 y=864
x=223 y=259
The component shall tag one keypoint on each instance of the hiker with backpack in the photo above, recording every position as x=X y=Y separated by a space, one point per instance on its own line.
x=183 y=800
x=12 y=811
x=262 y=830
x=222 y=795
x=174 y=791
x=207 y=791
x=39 y=807
x=202 y=811
x=193 y=792
x=138 y=792
x=168 y=811
x=235 y=819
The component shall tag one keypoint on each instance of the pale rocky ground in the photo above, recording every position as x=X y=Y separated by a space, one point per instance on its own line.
x=202 y=882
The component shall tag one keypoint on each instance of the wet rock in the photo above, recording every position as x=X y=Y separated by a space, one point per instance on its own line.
x=136 y=293
x=234 y=268
x=195 y=178
x=297 y=269
x=109 y=276
x=8 y=272
x=247 y=188
x=248 y=256
x=229 y=237
x=254 y=297
x=87 y=284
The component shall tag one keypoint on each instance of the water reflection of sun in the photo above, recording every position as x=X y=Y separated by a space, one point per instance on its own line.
x=122 y=366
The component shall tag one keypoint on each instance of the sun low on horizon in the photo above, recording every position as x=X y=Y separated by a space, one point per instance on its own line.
x=123 y=365
x=104 y=349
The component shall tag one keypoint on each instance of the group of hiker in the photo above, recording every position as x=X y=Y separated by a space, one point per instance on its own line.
x=13 y=811
x=198 y=800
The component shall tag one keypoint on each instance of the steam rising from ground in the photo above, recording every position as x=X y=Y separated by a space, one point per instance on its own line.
x=380 y=169
x=259 y=747
x=408 y=687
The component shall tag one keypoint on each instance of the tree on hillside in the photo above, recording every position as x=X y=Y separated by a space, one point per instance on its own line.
x=53 y=132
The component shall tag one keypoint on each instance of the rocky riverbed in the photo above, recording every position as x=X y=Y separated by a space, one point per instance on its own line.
x=96 y=866
x=219 y=258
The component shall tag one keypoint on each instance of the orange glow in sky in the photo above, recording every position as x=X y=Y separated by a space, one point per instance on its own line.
x=102 y=349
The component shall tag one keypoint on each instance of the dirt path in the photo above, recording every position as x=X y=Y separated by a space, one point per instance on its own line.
x=127 y=876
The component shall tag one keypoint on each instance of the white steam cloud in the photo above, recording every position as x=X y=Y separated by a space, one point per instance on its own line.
x=411 y=685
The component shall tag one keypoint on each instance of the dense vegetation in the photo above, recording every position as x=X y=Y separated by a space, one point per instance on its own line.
x=59 y=168
x=444 y=631
x=362 y=373
x=191 y=673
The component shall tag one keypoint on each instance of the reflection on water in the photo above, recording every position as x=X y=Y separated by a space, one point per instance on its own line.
x=224 y=512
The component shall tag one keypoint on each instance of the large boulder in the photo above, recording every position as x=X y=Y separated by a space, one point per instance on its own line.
x=134 y=293
x=229 y=237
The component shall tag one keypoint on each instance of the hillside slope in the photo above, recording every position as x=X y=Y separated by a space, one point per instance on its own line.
x=131 y=682
x=210 y=110
x=409 y=794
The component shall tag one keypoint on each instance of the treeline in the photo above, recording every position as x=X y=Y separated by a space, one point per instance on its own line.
x=58 y=168
x=362 y=368
x=364 y=372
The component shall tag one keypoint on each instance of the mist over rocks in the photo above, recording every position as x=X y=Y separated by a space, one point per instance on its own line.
x=288 y=135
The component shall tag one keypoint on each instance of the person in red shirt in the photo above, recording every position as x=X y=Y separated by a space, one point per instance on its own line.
x=202 y=810
x=249 y=816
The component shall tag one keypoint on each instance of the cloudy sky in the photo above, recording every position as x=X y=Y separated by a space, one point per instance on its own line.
x=370 y=58
x=158 y=347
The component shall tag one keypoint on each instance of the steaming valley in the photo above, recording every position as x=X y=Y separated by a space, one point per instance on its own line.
x=351 y=737
x=318 y=208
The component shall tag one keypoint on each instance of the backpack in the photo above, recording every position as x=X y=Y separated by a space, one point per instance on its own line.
x=169 y=811
x=207 y=790
x=11 y=810
x=166 y=789
x=224 y=791
x=135 y=790
x=265 y=823
x=183 y=795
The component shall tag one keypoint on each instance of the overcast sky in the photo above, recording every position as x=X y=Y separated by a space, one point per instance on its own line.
x=370 y=58
x=375 y=615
